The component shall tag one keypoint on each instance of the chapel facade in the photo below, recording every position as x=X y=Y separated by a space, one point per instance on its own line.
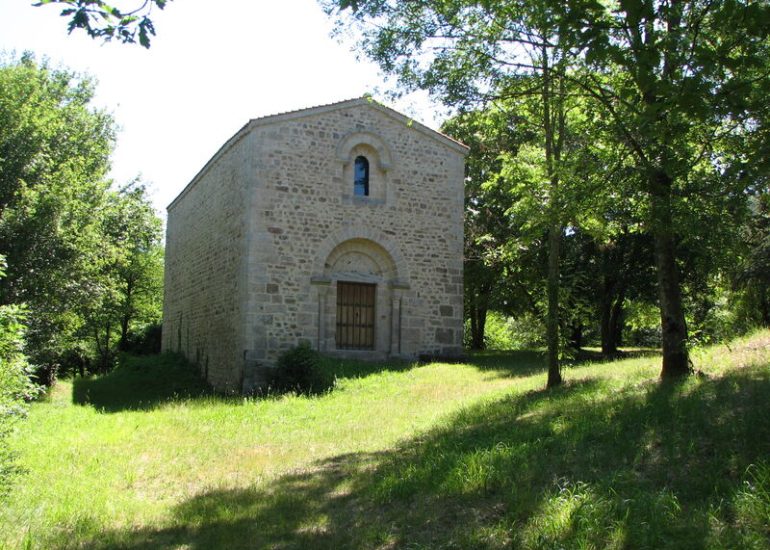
x=339 y=225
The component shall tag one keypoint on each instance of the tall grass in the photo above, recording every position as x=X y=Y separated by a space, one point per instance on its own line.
x=477 y=455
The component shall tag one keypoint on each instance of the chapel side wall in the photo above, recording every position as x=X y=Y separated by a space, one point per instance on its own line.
x=202 y=312
x=305 y=199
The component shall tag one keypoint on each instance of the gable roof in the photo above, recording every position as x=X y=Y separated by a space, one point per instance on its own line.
x=320 y=109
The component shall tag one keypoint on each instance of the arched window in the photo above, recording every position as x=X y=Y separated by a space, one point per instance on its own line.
x=361 y=177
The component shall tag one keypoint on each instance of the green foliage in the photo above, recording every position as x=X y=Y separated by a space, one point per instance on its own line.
x=509 y=333
x=103 y=20
x=16 y=387
x=130 y=280
x=85 y=259
x=643 y=323
x=498 y=335
x=300 y=370
x=526 y=331
x=15 y=384
x=146 y=341
x=54 y=157
x=752 y=273
x=486 y=223
x=603 y=257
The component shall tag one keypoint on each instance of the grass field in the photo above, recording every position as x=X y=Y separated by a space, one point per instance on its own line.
x=476 y=455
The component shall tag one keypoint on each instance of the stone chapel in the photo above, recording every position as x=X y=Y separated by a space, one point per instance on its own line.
x=339 y=225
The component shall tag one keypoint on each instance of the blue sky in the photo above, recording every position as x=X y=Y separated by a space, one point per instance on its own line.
x=209 y=70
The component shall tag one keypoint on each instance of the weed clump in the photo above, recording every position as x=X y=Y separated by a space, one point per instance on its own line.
x=299 y=370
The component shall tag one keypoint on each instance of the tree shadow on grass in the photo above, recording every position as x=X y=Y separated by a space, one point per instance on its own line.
x=513 y=363
x=350 y=368
x=651 y=466
x=141 y=383
x=523 y=363
x=590 y=355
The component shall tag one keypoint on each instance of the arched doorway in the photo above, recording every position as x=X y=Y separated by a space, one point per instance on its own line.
x=360 y=301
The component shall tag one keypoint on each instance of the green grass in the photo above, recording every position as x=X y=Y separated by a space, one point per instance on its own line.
x=476 y=455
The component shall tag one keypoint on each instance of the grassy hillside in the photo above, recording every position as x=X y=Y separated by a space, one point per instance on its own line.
x=437 y=456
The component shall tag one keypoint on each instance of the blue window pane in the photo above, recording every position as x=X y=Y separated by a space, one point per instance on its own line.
x=361 y=177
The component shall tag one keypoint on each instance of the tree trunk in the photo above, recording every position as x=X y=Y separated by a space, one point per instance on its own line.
x=576 y=336
x=764 y=306
x=616 y=322
x=477 y=311
x=554 y=131
x=478 y=324
x=611 y=324
x=106 y=356
x=611 y=301
x=607 y=301
x=673 y=326
x=125 y=320
x=608 y=345
x=552 y=323
x=124 y=323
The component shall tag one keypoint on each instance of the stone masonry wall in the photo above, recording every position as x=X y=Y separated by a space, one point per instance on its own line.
x=204 y=278
x=303 y=202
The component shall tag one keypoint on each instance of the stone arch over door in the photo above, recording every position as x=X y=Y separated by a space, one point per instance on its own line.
x=360 y=232
x=359 y=260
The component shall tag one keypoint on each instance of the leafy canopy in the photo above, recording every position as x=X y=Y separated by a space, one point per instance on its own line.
x=100 y=19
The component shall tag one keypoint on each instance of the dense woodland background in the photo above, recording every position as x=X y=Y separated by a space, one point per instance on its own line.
x=616 y=195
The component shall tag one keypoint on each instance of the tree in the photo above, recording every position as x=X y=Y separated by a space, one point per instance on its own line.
x=100 y=19
x=457 y=45
x=133 y=270
x=16 y=388
x=753 y=272
x=488 y=134
x=54 y=157
x=679 y=71
x=83 y=259
x=673 y=78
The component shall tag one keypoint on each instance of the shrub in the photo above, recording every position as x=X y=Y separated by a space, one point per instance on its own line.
x=16 y=389
x=642 y=322
x=497 y=333
x=75 y=360
x=146 y=341
x=526 y=331
x=506 y=333
x=299 y=370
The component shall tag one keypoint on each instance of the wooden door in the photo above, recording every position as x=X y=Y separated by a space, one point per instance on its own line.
x=355 y=315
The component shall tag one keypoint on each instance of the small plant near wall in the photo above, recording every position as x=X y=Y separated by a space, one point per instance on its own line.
x=299 y=370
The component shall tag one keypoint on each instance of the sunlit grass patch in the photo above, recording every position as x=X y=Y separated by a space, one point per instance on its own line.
x=475 y=455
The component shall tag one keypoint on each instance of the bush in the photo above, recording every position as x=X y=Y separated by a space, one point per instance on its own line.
x=642 y=321
x=75 y=360
x=16 y=388
x=299 y=370
x=502 y=333
x=146 y=341
x=526 y=330
x=497 y=332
